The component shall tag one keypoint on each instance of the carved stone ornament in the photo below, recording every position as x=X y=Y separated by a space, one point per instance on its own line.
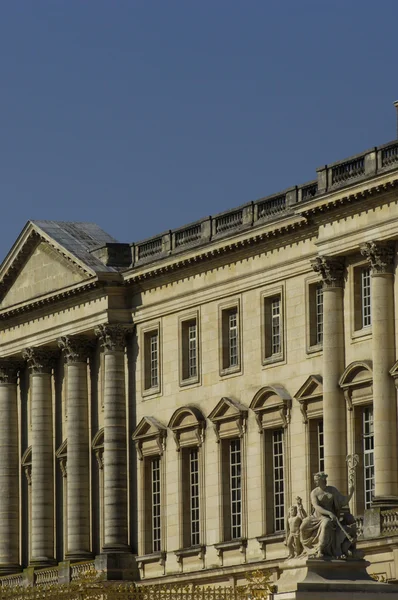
x=380 y=256
x=39 y=360
x=9 y=370
x=75 y=349
x=330 y=269
x=112 y=337
x=28 y=473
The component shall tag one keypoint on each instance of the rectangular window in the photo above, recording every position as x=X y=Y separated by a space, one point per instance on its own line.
x=321 y=447
x=316 y=314
x=194 y=497
x=156 y=505
x=230 y=339
x=278 y=480
x=368 y=455
x=236 y=489
x=151 y=360
x=231 y=474
x=273 y=327
x=189 y=343
x=366 y=298
x=316 y=449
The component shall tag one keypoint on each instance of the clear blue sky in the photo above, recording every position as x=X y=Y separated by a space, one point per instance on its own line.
x=143 y=115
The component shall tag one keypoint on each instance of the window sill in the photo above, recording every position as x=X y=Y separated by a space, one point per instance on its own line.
x=270 y=538
x=274 y=359
x=159 y=557
x=231 y=371
x=361 y=334
x=238 y=544
x=191 y=551
x=191 y=381
x=155 y=391
x=315 y=349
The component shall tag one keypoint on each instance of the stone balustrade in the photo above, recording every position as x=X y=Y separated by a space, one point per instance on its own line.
x=63 y=573
x=389 y=522
x=329 y=178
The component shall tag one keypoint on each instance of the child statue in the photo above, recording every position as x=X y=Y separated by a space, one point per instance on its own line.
x=296 y=516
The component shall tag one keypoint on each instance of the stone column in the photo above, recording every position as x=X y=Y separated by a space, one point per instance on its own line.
x=78 y=448
x=112 y=339
x=334 y=407
x=42 y=498
x=380 y=256
x=9 y=469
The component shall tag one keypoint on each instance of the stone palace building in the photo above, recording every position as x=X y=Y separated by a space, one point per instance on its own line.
x=163 y=403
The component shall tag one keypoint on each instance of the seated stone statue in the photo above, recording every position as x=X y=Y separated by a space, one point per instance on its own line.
x=294 y=520
x=328 y=532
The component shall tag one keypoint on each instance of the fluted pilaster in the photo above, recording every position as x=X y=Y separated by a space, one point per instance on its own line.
x=42 y=497
x=76 y=350
x=334 y=409
x=112 y=340
x=380 y=256
x=9 y=467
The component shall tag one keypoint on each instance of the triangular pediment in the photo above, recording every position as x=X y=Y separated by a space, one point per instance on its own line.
x=50 y=257
x=149 y=427
x=44 y=270
x=227 y=409
x=311 y=389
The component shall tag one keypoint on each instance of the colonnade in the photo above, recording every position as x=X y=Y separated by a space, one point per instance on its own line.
x=40 y=363
x=380 y=257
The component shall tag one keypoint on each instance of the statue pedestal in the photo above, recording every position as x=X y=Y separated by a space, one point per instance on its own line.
x=323 y=579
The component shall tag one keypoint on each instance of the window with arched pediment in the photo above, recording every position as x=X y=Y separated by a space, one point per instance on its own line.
x=357 y=385
x=188 y=427
x=150 y=442
x=310 y=399
x=271 y=406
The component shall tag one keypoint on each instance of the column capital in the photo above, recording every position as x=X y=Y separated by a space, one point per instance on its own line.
x=111 y=337
x=9 y=370
x=331 y=270
x=76 y=349
x=380 y=256
x=39 y=360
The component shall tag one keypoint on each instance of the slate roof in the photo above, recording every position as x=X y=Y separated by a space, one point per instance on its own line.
x=78 y=239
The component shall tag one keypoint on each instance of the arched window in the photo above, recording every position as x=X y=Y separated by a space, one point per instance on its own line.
x=357 y=384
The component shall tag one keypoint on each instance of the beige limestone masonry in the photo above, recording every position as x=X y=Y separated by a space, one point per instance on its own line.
x=91 y=486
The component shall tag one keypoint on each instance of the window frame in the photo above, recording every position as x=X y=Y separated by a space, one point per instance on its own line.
x=147 y=389
x=184 y=323
x=314 y=344
x=358 y=329
x=224 y=312
x=268 y=356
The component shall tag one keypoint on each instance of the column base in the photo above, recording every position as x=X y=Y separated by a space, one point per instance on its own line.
x=10 y=568
x=79 y=555
x=42 y=562
x=117 y=566
x=385 y=502
x=116 y=549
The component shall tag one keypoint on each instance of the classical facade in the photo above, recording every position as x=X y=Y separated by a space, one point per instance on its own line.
x=163 y=403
